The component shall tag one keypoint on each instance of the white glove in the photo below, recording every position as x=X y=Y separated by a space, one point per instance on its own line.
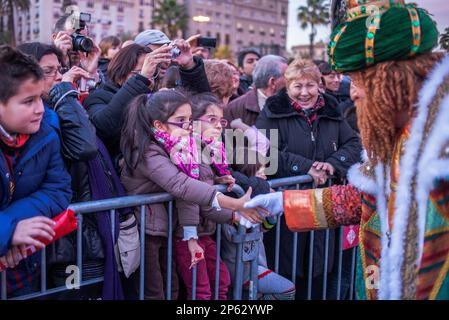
x=245 y=222
x=273 y=202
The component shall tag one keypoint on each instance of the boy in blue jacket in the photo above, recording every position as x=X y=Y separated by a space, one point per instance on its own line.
x=34 y=185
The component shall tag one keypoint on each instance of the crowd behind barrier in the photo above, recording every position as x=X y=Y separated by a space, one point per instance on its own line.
x=240 y=238
x=102 y=152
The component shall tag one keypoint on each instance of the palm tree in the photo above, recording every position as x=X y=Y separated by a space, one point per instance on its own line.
x=444 y=40
x=8 y=7
x=171 y=17
x=315 y=13
x=224 y=53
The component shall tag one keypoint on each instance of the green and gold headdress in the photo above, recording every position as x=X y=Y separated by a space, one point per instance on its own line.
x=379 y=30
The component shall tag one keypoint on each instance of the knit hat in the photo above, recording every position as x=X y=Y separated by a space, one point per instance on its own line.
x=380 y=30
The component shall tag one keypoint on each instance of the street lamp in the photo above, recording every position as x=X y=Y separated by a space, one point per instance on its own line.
x=201 y=19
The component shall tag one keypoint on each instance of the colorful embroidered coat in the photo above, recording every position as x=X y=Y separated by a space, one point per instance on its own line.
x=402 y=207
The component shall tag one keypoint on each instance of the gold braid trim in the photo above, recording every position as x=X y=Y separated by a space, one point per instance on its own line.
x=327 y=206
x=319 y=209
x=416 y=31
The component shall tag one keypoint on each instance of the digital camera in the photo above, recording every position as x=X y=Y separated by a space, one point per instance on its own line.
x=175 y=53
x=79 y=42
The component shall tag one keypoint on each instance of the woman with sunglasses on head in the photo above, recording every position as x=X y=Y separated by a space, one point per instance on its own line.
x=160 y=156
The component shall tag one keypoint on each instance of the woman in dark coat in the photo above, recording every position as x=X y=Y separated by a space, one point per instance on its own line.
x=314 y=139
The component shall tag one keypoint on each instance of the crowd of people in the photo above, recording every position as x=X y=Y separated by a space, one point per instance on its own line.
x=134 y=119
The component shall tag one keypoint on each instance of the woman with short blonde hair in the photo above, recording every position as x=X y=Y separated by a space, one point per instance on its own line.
x=313 y=139
x=302 y=68
x=219 y=75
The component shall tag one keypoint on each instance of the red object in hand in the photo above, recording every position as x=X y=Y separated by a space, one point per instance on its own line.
x=65 y=223
x=198 y=255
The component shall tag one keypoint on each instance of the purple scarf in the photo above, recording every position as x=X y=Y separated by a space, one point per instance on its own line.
x=99 y=185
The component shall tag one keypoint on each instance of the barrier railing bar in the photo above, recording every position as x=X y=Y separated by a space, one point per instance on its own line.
x=44 y=270
x=278 y=244
x=113 y=225
x=326 y=265
x=326 y=255
x=79 y=246
x=239 y=268
x=254 y=275
x=120 y=203
x=295 y=256
x=4 y=293
x=194 y=273
x=295 y=251
x=283 y=182
x=310 y=275
x=217 y=263
x=340 y=259
x=142 y=253
x=353 y=265
x=169 y=249
x=57 y=290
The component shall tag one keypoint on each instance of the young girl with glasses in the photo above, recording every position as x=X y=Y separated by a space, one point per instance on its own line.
x=160 y=156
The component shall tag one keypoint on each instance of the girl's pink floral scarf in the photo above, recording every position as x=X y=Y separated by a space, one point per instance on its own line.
x=184 y=152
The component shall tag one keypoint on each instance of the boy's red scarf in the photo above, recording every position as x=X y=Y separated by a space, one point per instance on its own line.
x=18 y=142
x=13 y=141
x=11 y=149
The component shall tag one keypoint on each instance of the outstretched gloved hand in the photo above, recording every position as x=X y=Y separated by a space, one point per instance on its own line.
x=272 y=202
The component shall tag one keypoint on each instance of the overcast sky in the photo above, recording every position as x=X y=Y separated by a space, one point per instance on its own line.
x=439 y=8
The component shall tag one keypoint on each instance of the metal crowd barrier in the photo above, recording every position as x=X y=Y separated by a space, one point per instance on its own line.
x=283 y=184
x=239 y=239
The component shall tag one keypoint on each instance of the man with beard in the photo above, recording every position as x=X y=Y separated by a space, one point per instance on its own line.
x=399 y=195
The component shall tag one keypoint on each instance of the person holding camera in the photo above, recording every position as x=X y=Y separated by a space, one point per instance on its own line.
x=137 y=70
x=132 y=72
x=89 y=165
x=191 y=66
x=71 y=36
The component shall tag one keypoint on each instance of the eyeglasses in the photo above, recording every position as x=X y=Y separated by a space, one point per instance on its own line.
x=183 y=125
x=214 y=121
x=52 y=72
